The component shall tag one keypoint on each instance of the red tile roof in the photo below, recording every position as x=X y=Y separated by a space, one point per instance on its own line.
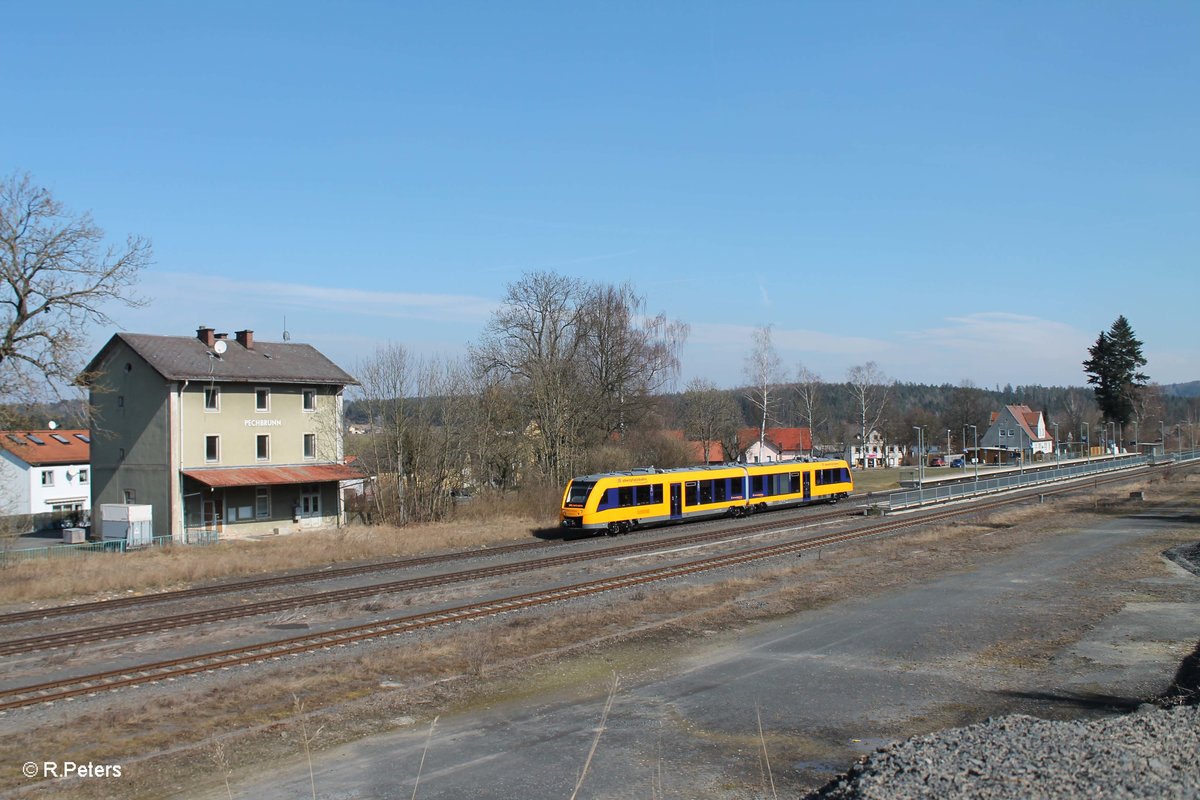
x=786 y=440
x=48 y=447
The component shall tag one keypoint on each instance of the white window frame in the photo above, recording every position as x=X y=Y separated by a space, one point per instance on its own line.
x=47 y=477
x=216 y=396
x=307 y=455
x=259 y=439
x=84 y=475
x=266 y=390
x=308 y=400
x=215 y=437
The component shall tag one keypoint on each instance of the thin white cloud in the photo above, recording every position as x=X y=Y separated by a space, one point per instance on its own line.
x=206 y=291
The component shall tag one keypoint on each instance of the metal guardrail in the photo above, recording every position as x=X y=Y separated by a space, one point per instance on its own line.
x=10 y=558
x=898 y=501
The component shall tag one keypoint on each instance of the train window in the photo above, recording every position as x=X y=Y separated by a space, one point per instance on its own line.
x=756 y=485
x=795 y=483
x=608 y=500
x=706 y=492
x=737 y=488
x=648 y=495
x=845 y=475
x=691 y=493
x=625 y=496
x=579 y=493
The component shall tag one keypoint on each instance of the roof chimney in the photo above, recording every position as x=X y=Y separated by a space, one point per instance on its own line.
x=245 y=339
x=205 y=335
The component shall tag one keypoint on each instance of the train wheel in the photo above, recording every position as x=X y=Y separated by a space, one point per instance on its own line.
x=614 y=528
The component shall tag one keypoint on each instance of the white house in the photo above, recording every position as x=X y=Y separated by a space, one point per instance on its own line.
x=875 y=453
x=45 y=472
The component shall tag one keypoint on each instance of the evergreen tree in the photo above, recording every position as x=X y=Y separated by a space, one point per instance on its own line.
x=1113 y=368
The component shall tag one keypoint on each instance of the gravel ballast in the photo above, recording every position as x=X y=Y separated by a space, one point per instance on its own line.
x=1148 y=754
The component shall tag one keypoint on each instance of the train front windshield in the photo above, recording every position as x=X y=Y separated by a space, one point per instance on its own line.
x=579 y=493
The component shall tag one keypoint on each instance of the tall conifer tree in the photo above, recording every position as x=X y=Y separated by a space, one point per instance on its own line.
x=1113 y=369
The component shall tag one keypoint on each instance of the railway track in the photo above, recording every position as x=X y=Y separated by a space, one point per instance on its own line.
x=311 y=576
x=94 y=683
x=121 y=630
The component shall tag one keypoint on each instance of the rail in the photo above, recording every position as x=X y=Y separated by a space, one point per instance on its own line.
x=914 y=498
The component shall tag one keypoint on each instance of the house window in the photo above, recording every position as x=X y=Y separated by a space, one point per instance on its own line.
x=310 y=399
x=212 y=398
x=310 y=445
x=47 y=477
x=130 y=496
x=262 y=502
x=84 y=476
x=263 y=447
x=212 y=448
x=262 y=399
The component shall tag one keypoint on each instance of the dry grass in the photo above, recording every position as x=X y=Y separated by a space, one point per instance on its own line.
x=159 y=569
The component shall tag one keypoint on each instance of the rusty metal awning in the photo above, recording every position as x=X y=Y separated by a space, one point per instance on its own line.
x=222 y=477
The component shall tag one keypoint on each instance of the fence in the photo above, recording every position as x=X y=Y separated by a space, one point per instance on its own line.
x=10 y=557
x=941 y=494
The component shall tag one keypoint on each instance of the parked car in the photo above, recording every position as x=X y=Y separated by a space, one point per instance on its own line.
x=958 y=462
x=937 y=461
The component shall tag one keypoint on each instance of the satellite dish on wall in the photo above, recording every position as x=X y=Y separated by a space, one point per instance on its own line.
x=219 y=347
x=52 y=425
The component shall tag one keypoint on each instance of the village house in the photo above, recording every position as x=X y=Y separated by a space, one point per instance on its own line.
x=45 y=476
x=1016 y=432
x=876 y=454
x=778 y=444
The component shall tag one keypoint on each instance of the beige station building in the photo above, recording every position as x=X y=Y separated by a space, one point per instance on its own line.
x=220 y=435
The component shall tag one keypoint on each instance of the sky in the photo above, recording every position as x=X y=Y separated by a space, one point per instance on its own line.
x=955 y=191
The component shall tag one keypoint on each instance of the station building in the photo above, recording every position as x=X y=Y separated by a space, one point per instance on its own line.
x=221 y=436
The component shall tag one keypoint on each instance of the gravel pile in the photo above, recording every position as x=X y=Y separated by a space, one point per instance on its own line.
x=1149 y=754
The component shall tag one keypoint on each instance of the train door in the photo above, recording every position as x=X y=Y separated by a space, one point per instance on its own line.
x=676 y=501
x=807 y=485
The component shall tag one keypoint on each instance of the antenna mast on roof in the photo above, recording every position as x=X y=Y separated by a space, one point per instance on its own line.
x=287 y=337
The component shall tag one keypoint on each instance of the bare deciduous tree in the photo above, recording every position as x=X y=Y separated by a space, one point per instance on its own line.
x=763 y=370
x=584 y=359
x=55 y=276
x=535 y=338
x=627 y=355
x=869 y=388
x=710 y=415
x=808 y=390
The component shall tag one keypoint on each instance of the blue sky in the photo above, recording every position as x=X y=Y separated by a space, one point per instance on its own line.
x=956 y=191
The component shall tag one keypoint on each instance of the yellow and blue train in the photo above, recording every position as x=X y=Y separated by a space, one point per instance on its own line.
x=616 y=502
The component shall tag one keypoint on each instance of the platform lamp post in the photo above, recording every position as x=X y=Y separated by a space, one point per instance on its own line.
x=920 y=457
x=964 y=449
x=976 y=459
x=1135 y=437
x=1162 y=435
x=1112 y=442
x=1057 y=451
x=1087 y=440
